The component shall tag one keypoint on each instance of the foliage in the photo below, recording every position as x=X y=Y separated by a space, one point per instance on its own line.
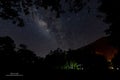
x=15 y=59
x=26 y=62
x=72 y=65
x=55 y=58
x=15 y=9
x=111 y=10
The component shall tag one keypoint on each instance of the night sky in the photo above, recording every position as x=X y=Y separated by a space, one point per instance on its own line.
x=44 y=32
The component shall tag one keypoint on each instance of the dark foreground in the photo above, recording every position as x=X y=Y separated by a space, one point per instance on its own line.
x=63 y=75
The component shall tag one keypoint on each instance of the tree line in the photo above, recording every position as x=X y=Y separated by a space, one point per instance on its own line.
x=22 y=60
x=12 y=58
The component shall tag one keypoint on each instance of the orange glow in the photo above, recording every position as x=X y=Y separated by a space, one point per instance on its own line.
x=102 y=47
x=108 y=54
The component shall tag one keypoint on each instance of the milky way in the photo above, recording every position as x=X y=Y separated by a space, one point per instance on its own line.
x=44 y=32
x=70 y=29
x=50 y=25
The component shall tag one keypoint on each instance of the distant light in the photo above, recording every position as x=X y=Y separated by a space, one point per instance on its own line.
x=117 y=68
x=109 y=60
x=111 y=67
x=82 y=68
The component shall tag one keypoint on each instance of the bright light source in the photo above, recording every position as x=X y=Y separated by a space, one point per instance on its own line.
x=111 y=67
x=117 y=68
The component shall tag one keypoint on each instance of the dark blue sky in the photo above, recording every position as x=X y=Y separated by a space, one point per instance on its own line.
x=44 y=32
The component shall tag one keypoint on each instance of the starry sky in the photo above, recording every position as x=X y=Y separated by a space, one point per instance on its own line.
x=44 y=32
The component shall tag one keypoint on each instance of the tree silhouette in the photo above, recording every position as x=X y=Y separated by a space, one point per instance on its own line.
x=14 y=9
x=111 y=9
x=27 y=56
x=7 y=53
x=7 y=47
x=21 y=59
x=13 y=59
x=55 y=59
